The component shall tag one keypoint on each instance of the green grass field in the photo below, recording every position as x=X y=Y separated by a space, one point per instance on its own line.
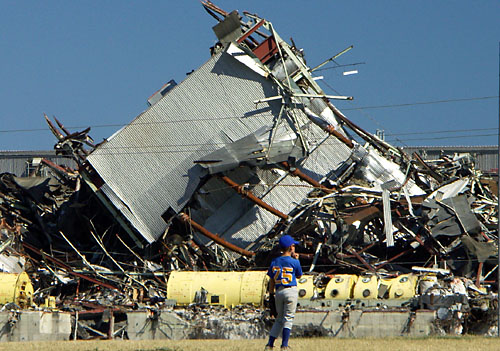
x=317 y=344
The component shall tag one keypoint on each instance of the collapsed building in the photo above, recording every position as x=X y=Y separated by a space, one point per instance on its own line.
x=201 y=184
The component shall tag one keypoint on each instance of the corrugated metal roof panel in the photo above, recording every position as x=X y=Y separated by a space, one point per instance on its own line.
x=148 y=165
x=286 y=195
x=258 y=221
x=247 y=226
x=123 y=208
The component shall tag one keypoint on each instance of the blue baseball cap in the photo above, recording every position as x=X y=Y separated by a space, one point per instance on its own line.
x=287 y=241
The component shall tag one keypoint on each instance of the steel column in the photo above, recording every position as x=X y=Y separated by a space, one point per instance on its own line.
x=239 y=189
x=296 y=172
x=186 y=219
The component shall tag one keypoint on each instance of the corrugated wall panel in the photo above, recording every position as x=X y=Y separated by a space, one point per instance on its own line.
x=13 y=165
x=16 y=162
x=148 y=165
x=486 y=157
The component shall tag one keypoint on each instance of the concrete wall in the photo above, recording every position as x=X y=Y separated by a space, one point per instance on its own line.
x=356 y=323
x=34 y=326
x=359 y=324
x=204 y=325
x=164 y=325
x=141 y=325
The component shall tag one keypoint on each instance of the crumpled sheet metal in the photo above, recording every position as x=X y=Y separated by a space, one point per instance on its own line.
x=441 y=215
x=433 y=224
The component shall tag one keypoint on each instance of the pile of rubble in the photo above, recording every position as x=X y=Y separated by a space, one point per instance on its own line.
x=265 y=153
x=453 y=223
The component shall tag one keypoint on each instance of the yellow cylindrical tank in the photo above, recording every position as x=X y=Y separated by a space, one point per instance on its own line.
x=16 y=288
x=403 y=287
x=218 y=288
x=50 y=302
x=366 y=287
x=305 y=286
x=340 y=286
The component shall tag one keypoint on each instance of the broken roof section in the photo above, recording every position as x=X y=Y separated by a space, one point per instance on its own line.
x=369 y=212
x=248 y=119
x=241 y=113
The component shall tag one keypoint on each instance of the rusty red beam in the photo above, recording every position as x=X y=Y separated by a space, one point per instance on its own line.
x=393 y=258
x=332 y=131
x=479 y=272
x=111 y=328
x=362 y=260
x=62 y=126
x=348 y=264
x=250 y=31
x=366 y=248
x=68 y=268
x=186 y=219
x=266 y=49
x=53 y=128
x=54 y=166
x=343 y=255
x=485 y=236
x=360 y=131
x=213 y=7
x=93 y=307
x=296 y=172
x=429 y=249
x=359 y=252
x=415 y=200
x=239 y=189
x=433 y=173
x=306 y=256
x=367 y=212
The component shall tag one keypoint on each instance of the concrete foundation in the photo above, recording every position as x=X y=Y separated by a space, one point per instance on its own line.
x=358 y=323
x=34 y=326
x=205 y=325
x=162 y=325
x=167 y=324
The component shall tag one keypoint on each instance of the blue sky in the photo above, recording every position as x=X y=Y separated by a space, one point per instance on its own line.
x=95 y=63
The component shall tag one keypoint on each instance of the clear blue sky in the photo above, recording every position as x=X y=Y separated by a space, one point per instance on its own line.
x=95 y=63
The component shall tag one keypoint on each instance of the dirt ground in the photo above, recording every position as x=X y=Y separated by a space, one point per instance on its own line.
x=316 y=344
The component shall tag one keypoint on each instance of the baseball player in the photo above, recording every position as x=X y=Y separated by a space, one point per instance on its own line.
x=284 y=271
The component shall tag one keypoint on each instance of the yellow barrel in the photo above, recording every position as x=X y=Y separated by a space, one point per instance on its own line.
x=50 y=302
x=366 y=287
x=217 y=288
x=403 y=287
x=16 y=288
x=305 y=286
x=340 y=286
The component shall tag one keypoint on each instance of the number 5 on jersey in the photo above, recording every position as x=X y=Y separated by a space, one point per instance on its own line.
x=282 y=276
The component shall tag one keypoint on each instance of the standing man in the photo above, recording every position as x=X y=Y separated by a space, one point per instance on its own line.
x=283 y=272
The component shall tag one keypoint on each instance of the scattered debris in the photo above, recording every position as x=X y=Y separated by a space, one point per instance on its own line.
x=245 y=149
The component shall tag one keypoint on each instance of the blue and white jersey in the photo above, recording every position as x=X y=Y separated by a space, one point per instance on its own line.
x=284 y=270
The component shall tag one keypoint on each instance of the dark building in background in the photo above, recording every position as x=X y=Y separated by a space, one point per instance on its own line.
x=486 y=157
x=24 y=163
